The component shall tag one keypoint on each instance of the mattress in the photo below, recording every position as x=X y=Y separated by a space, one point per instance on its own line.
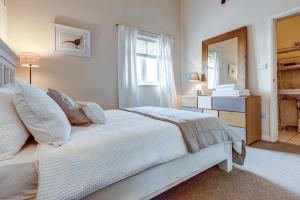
x=18 y=175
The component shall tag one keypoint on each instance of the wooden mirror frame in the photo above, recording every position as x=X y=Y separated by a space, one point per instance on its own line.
x=241 y=34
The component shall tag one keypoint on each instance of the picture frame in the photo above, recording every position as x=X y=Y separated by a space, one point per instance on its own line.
x=232 y=71
x=72 y=41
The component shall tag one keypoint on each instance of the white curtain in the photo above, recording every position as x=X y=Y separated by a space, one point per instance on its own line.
x=129 y=90
x=168 y=97
x=128 y=87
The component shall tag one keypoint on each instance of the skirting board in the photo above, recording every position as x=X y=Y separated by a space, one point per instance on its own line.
x=159 y=179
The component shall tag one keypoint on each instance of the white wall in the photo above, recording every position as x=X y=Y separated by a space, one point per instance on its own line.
x=30 y=28
x=3 y=21
x=203 y=19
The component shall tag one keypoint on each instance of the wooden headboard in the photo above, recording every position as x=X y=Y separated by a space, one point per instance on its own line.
x=8 y=62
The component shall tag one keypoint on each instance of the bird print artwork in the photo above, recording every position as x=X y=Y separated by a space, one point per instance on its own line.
x=76 y=42
x=72 y=41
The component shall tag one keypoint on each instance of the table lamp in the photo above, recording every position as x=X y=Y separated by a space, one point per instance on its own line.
x=29 y=59
x=195 y=78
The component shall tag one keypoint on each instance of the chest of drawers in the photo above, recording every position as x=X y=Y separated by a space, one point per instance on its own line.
x=242 y=114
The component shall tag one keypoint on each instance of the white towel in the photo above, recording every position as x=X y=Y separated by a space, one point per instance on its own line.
x=222 y=92
x=231 y=94
x=230 y=86
x=218 y=91
x=229 y=90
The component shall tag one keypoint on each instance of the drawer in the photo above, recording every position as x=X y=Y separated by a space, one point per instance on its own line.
x=233 y=118
x=211 y=112
x=204 y=102
x=233 y=104
x=240 y=132
x=192 y=109
x=190 y=102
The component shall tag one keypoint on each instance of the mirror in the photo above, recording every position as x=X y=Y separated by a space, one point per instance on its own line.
x=224 y=59
x=222 y=63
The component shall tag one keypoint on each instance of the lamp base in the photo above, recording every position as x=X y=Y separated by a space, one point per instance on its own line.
x=30 y=75
x=200 y=93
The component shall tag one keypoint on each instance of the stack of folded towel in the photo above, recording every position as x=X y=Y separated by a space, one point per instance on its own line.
x=230 y=90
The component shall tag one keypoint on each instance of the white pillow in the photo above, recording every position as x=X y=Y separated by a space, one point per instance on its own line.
x=13 y=133
x=41 y=115
x=94 y=112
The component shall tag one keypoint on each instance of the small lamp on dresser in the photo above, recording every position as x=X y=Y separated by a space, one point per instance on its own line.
x=195 y=78
x=31 y=60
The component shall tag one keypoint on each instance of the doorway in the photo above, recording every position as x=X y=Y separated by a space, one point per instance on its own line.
x=286 y=78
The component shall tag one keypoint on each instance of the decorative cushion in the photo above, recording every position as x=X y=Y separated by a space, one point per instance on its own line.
x=13 y=133
x=94 y=112
x=41 y=115
x=70 y=108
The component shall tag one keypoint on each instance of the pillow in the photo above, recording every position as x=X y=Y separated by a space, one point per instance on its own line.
x=70 y=108
x=94 y=112
x=13 y=133
x=41 y=115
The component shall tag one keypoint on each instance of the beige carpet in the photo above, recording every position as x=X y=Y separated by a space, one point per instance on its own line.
x=214 y=184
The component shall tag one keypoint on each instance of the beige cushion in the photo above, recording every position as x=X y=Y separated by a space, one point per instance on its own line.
x=13 y=133
x=70 y=108
x=41 y=115
x=94 y=112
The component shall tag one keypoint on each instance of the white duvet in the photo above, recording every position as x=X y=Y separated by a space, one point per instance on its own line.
x=101 y=155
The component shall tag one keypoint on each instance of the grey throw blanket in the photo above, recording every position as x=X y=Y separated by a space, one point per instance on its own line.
x=198 y=130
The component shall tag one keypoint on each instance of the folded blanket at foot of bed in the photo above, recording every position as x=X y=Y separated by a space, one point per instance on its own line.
x=198 y=130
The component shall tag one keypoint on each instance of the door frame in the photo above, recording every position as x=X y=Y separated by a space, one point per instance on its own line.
x=274 y=110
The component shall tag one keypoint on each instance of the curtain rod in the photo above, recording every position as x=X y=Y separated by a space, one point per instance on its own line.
x=148 y=31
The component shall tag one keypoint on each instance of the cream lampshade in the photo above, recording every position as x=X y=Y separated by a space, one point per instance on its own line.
x=28 y=59
x=203 y=78
x=194 y=77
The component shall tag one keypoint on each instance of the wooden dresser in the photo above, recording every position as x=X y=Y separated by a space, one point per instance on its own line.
x=242 y=114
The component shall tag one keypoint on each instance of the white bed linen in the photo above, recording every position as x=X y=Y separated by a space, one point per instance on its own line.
x=18 y=176
x=100 y=155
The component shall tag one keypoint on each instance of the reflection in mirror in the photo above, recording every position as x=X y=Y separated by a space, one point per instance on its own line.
x=222 y=65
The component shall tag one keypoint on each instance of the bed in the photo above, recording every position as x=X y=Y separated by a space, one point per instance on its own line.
x=18 y=175
x=160 y=159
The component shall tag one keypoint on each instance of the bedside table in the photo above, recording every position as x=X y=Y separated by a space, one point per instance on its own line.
x=190 y=103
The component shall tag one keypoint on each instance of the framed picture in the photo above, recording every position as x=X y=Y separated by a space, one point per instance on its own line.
x=232 y=71
x=72 y=41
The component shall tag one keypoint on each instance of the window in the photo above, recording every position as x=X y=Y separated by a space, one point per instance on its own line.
x=147 y=51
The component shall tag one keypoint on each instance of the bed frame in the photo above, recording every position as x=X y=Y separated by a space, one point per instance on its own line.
x=152 y=181
x=8 y=62
x=161 y=178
